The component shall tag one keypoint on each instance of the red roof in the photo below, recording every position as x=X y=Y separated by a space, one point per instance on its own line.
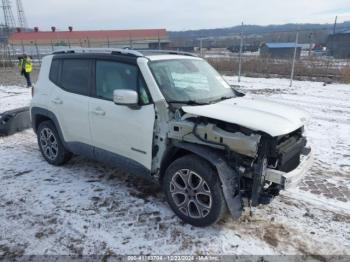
x=103 y=34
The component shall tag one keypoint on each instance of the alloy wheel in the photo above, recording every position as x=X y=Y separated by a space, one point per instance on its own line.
x=191 y=194
x=48 y=143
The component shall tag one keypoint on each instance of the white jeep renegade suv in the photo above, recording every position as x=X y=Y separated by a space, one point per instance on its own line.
x=172 y=117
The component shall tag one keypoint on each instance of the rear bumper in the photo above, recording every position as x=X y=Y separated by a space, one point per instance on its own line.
x=292 y=178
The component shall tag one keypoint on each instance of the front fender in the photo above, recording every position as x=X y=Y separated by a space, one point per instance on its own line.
x=229 y=178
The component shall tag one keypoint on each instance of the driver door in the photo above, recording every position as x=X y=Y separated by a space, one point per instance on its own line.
x=121 y=134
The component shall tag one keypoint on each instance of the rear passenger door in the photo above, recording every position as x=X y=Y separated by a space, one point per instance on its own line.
x=70 y=101
x=121 y=133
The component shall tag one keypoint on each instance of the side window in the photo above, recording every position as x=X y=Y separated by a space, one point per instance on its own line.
x=54 y=70
x=112 y=75
x=75 y=76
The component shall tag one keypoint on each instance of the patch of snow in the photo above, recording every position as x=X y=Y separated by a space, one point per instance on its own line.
x=12 y=97
x=319 y=201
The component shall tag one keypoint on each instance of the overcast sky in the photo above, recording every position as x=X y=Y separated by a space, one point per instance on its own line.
x=179 y=14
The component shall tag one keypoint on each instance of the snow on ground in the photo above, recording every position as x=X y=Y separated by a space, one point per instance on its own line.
x=12 y=97
x=87 y=208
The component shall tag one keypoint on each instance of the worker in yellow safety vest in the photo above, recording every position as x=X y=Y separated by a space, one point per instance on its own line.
x=25 y=66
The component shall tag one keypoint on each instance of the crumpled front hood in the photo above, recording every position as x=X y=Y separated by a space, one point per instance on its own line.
x=257 y=114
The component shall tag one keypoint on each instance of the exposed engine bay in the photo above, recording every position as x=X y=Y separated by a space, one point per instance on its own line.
x=250 y=153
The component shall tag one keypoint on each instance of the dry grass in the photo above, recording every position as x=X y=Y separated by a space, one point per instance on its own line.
x=345 y=74
x=306 y=68
x=5 y=63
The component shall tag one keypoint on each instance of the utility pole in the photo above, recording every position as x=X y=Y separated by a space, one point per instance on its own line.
x=335 y=24
x=294 y=58
x=201 y=46
x=240 y=56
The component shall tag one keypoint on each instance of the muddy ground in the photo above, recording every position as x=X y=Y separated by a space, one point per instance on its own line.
x=12 y=77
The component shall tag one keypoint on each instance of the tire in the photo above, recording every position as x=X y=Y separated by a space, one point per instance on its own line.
x=50 y=144
x=200 y=201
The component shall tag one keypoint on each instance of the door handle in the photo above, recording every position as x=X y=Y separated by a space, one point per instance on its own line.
x=99 y=112
x=57 y=101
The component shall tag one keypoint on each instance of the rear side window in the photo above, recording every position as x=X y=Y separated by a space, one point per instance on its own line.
x=54 y=71
x=75 y=76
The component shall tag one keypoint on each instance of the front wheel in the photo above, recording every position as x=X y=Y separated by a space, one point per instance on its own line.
x=193 y=191
x=50 y=144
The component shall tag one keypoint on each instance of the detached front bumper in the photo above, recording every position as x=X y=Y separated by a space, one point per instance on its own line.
x=292 y=178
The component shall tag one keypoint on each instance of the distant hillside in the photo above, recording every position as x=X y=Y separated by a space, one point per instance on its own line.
x=254 y=35
x=255 y=29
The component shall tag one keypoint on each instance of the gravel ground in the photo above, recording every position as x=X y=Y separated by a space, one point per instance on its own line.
x=12 y=77
x=86 y=208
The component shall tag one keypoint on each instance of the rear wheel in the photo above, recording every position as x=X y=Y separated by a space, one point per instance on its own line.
x=50 y=144
x=193 y=191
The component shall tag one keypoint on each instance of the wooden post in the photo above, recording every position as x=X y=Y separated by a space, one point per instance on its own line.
x=310 y=44
x=3 y=56
x=130 y=43
x=23 y=51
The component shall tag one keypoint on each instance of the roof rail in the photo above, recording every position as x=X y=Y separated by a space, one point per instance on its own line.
x=169 y=52
x=98 y=50
x=122 y=51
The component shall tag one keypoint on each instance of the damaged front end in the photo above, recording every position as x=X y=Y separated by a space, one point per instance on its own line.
x=253 y=167
x=281 y=162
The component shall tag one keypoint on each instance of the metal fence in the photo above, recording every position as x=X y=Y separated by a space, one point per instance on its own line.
x=311 y=65
x=9 y=53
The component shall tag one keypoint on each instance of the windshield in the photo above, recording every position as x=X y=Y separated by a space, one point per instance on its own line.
x=190 y=81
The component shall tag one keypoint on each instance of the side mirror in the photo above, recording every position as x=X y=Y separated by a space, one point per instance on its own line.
x=237 y=93
x=125 y=97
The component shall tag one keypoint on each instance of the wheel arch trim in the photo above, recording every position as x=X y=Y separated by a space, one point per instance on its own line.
x=38 y=111
x=229 y=178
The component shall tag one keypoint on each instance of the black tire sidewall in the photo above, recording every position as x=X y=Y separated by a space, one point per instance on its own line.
x=207 y=172
x=62 y=152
